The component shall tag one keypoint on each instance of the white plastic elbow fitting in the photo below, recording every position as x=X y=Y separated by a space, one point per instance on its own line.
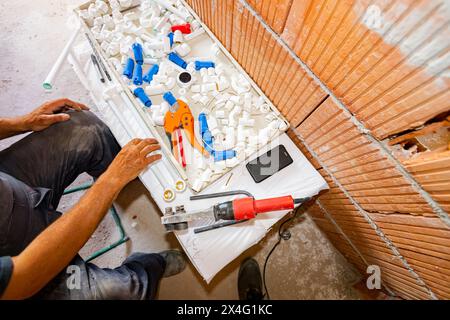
x=158 y=119
x=154 y=90
x=101 y=6
x=170 y=83
x=160 y=78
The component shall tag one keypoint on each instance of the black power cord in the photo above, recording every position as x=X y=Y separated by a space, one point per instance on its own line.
x=283 y=234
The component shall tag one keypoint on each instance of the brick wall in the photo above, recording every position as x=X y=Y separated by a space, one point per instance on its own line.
x=350 y=76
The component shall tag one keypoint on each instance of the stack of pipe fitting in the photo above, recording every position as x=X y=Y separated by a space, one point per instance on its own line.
x=151 y=46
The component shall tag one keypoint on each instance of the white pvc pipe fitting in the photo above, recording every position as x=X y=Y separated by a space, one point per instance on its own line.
x=154 y=90
x=183 y=49
x=196 y=88
x=194 y=34
x=170 y=83
x=177 y=36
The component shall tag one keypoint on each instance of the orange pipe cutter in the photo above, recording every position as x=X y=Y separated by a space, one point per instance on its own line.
x=178 y=116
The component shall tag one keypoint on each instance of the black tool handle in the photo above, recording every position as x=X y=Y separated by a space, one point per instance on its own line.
x=224 y=211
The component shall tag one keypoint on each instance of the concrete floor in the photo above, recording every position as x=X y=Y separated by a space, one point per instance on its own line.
x=305 y=267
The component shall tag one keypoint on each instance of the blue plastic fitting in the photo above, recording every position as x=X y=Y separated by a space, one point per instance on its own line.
x=140 y=93
x=203 y=123
x=168 y=96
x=204 y=64
x=137 y=75
x=129 y=67
x=148 y=77
x=170 y=35
x=224 y=155
x=208 y=142
x=177 y=60
x=206 y=135
x=138 y=54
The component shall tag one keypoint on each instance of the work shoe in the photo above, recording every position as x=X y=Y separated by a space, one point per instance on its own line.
x=249 y=281
x=175 y=262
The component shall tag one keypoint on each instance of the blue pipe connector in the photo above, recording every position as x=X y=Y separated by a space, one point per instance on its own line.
x=137 y=75
x=129 y=67
x=204 y=64
x=206 y=135
x=138 y=53
x=168 y=96
x=148 y=77
x=177 y=60
x=170 y=35
x=224 y=155
x=140 y=93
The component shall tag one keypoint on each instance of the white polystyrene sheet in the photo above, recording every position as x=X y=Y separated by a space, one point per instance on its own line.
x=213 y=250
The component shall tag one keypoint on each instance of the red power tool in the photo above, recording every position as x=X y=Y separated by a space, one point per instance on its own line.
x=237 y=210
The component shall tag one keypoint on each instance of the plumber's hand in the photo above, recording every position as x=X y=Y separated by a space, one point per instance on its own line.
x=132 y=160
x=49 y=113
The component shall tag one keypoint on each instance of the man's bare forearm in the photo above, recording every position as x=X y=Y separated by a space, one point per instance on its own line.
x=11 y=126
x=57 y=245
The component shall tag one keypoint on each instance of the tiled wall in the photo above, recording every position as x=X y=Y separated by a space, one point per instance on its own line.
x=347 y=75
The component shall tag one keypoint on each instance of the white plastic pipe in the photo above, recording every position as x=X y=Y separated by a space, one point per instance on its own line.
x=49 y=80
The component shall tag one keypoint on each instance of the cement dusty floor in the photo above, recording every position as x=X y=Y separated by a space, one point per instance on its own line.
x=305 y=267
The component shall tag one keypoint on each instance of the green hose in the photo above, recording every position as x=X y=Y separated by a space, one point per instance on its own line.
x=123 y=237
